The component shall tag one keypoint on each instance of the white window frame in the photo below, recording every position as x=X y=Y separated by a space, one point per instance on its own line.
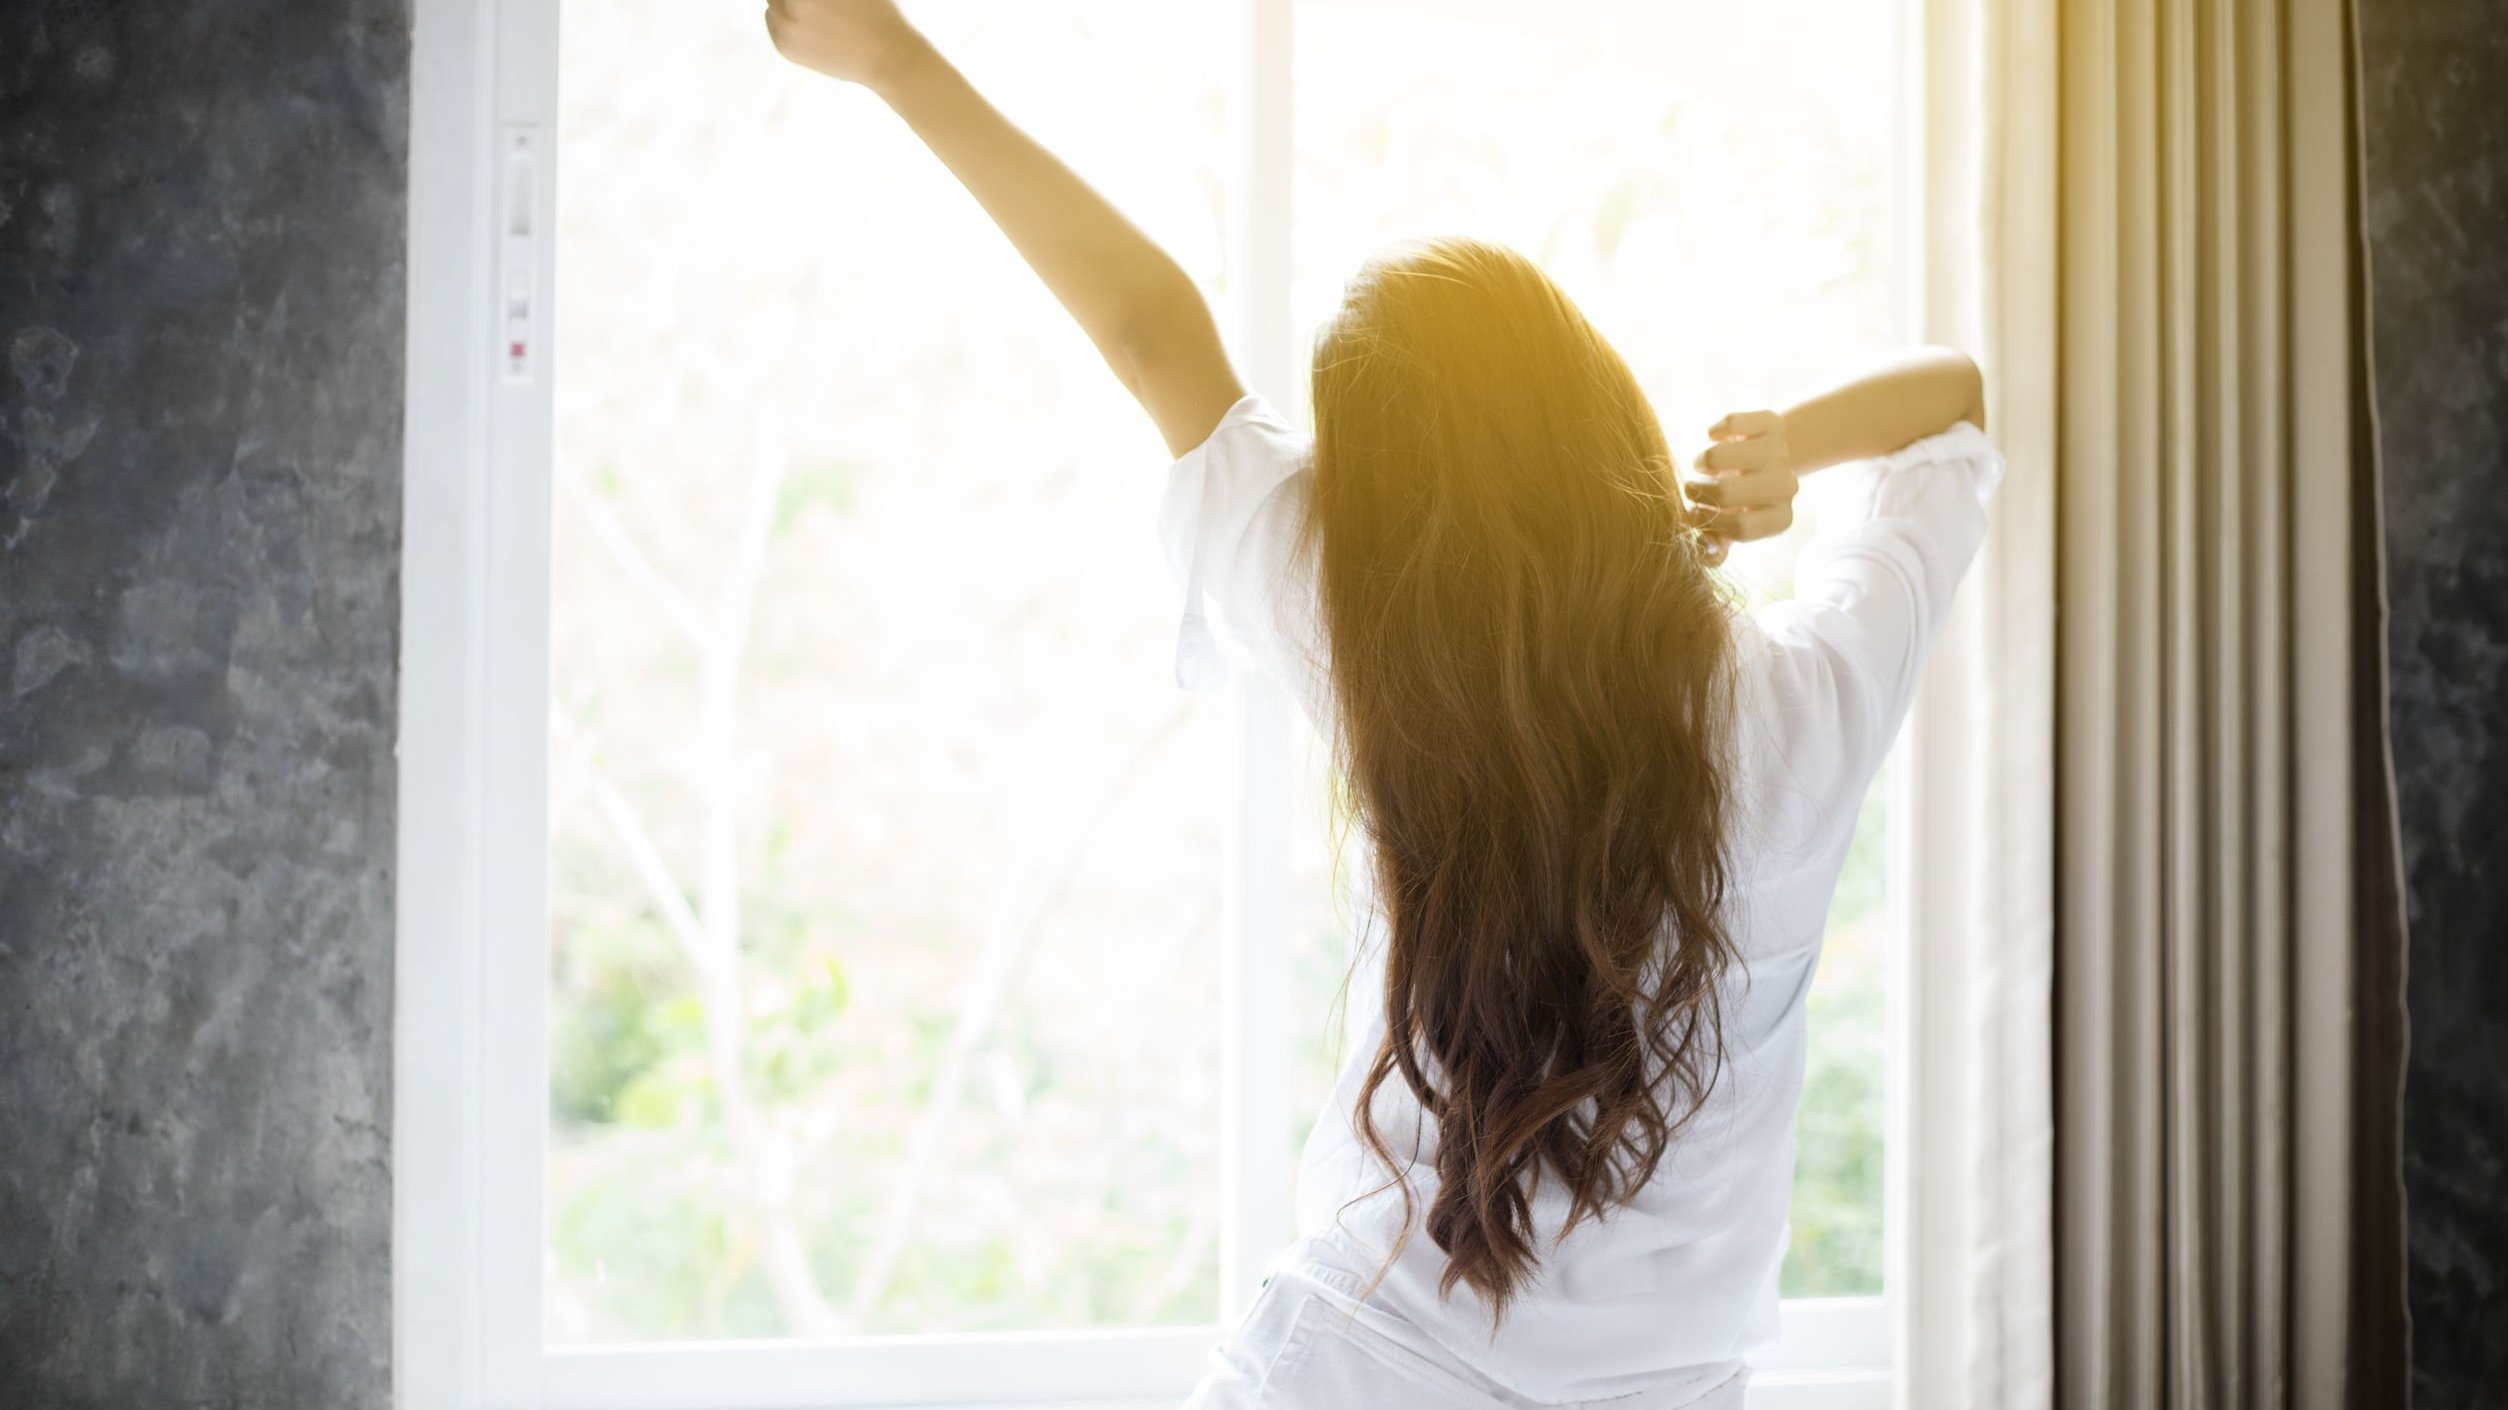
x=470 y=1116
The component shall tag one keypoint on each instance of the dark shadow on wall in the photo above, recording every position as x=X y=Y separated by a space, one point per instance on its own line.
x=2434 y=111
x=202 y=226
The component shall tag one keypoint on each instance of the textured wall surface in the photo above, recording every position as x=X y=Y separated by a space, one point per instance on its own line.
x=2434 y=99
x=201 y=253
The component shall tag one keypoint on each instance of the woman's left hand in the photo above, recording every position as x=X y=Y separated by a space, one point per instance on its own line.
x=1742 y=487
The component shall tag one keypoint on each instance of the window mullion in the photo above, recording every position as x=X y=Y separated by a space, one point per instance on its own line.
x=1255 y=1035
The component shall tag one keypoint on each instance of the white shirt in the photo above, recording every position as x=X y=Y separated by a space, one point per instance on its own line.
x=1679 y=1286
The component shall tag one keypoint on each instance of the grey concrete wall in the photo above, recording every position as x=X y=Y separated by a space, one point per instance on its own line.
x=201 y=252
x=2434 y=98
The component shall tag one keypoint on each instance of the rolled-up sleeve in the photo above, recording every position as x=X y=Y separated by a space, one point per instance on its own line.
x=1873 y=587
x=1231 y=522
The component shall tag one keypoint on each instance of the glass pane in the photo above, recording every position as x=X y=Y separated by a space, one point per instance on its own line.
x=1725 y=218
x=884 y=851
x=1836 y=1217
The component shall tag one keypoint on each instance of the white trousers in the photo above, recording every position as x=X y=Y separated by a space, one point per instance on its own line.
x=1306 y=1343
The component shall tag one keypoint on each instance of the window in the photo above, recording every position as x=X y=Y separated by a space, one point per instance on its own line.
x=861 y=977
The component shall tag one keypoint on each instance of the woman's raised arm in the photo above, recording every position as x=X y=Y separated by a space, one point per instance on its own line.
x=1139 y=307
x=1742 y=487
x=1915 y=395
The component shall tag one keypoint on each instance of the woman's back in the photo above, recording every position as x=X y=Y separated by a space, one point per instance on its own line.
x=1673 y=1287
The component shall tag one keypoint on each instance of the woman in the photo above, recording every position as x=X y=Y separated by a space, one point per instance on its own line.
x=1606 y=811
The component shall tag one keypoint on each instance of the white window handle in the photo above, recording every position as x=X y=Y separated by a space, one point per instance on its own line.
x=517 y=321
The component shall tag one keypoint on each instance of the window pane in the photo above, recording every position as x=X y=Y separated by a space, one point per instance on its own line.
x=884 y=852
x=1725 y=219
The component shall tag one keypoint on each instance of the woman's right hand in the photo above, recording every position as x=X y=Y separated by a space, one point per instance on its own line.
x=1742 y=487
x=859 y=41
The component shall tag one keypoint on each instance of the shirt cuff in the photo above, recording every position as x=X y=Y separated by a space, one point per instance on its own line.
x=1961 y=455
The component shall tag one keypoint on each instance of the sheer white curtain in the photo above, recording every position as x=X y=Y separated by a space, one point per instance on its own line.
x=1974 y=1184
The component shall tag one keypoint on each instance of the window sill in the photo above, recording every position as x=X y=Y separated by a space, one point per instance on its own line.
x=1834 y=1356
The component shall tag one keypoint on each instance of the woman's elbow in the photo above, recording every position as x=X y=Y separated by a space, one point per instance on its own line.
x=1170 y=319
x=1972 y=391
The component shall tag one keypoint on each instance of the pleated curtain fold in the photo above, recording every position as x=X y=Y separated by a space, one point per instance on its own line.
x=2226 y=947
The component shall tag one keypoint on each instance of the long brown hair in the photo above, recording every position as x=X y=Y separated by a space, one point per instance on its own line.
x=1532 y=684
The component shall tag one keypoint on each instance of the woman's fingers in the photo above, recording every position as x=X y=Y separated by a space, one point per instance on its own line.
x=1712 y=545
x=1747 y=490
x=1744 y=525
x=1767 y=521
x=1740 y=424
x=1743 y=485
x=1726 y=457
